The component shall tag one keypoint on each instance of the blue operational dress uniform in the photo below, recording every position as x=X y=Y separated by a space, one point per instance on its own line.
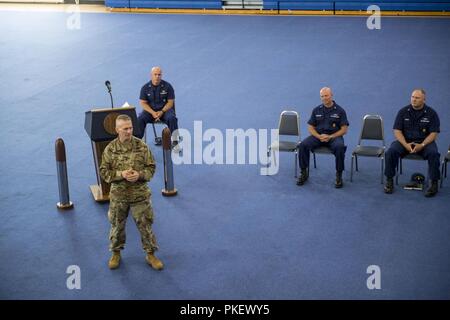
x=326 y=121
x=415 y=125
x=157 y=97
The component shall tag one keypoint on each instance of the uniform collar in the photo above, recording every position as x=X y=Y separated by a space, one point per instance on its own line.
x=151 y=85
x=333 y=107
x=424 y=109
x=125 y=146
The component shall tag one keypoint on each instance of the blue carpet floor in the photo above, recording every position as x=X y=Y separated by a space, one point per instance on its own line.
x=230 y=233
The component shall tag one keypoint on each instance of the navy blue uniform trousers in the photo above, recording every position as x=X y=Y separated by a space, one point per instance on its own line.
x=336 y=145
x=169 y=118
x=396 y=150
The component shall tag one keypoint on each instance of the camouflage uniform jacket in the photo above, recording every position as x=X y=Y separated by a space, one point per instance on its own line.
x=118 y=157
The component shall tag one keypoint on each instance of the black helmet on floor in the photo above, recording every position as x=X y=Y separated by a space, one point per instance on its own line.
x=418 y=177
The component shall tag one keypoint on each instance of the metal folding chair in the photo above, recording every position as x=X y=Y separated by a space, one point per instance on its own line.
x=289 y=125
x=372 y=129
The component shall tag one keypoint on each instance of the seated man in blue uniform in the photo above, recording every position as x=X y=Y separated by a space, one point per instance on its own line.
x=157 y=98
x=416 y=128
x=327 y=125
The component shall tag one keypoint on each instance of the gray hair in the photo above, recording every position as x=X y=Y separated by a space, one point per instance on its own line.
x=122 y=117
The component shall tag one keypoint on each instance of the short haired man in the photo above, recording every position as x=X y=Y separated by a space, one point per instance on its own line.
x=327 y=125
x=157 y=98
x=416 y=128
x=128 y=165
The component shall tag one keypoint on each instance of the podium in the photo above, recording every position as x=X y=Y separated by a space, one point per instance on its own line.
x=100 y=125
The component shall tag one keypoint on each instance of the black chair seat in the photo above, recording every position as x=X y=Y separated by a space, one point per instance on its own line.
x=284 y=145
x=368 y=151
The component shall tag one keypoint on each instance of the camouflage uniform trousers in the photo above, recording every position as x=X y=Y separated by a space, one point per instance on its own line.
x=142 y=213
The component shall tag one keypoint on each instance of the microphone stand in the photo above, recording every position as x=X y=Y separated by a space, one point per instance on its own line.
x=112 y=104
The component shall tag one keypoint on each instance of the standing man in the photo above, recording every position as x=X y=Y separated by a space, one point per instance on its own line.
x=157 y=98
x=416 y=128
x=327 y=126
x=128 y=165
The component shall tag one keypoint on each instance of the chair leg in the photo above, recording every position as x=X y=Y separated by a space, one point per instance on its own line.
x=382 y=167
x=446 y=162
x=295 y=163
x=356 y=162
x=397 y=171
x=351 y=169
x=314 y=157
x=270 y=157
x=274 y=156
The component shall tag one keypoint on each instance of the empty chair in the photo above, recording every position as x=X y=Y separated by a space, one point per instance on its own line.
x=372 y=129
x=288 y=126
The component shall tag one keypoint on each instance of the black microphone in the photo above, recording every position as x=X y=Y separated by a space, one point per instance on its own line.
x=108 y=85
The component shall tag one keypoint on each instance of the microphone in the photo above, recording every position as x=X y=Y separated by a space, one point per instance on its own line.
x=108 y=85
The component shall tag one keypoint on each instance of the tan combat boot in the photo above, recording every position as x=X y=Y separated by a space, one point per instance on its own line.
x=115 y=260
x=154 y=262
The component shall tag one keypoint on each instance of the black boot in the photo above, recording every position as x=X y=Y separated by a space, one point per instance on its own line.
x=389 y=186
x=432 y=190
x=303 y=177
x=338 y=183
x=176 y=146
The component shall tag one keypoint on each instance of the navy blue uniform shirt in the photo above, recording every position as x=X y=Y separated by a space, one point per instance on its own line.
x=416 y=125
x=328 y=120
x=157 y=96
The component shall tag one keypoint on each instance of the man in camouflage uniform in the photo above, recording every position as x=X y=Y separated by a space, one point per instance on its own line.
x=128 y=165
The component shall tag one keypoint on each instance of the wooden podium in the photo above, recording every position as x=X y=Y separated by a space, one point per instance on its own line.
x=100 y=125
